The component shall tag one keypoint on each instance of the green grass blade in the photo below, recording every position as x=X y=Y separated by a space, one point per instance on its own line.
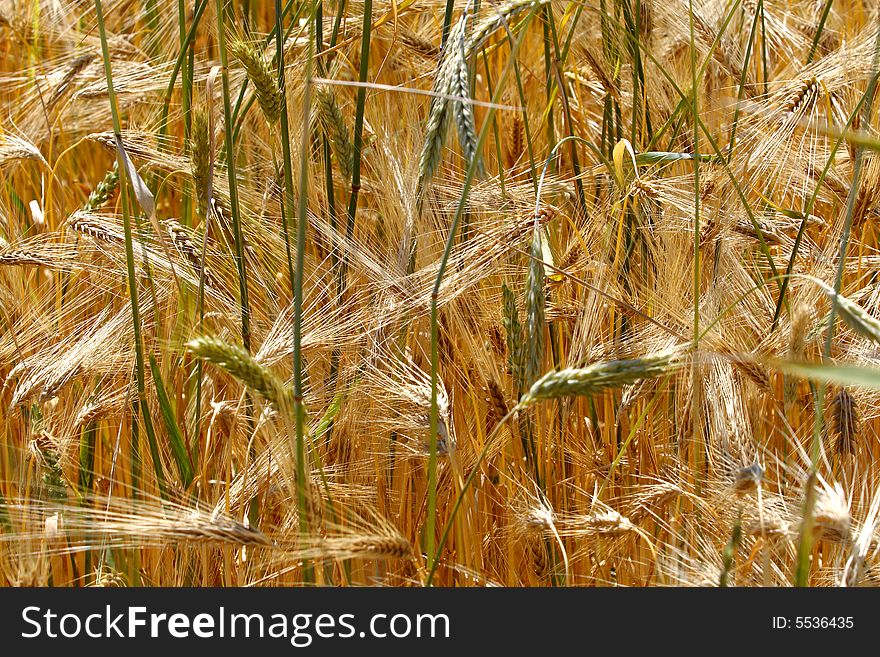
x=175 y=438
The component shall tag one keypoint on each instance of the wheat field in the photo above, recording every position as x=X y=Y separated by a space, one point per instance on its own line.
x=414 y=293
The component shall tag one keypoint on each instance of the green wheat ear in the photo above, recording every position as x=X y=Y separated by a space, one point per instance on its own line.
x=237 y=362
x=535 y=312
x=575 y=382
x=260 y=73
x=334 y=127
x=200 y=156
x=103 y=190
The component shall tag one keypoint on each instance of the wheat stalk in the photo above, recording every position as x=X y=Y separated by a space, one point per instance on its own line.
x=514 y=336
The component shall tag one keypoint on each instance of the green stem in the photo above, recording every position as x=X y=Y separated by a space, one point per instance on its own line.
x=430 y=520
x=808 y=209
x=299 y=271
x=819 y=29
x=129 y=258
x=358 y=141
x=742 y=85
x=179 y=62
x=233 y=185
x=447 y=22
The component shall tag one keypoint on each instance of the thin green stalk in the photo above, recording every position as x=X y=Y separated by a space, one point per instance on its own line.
x=186 y=218
x=235 y=211
x=447 y=22
x=747 y=58
x=186 y=98
x=578 y=12
x=566 y=114
x=695 y=93
x=358 y=141
x=287 y=206
x=287 y=210
x=179 y=62
x=763 y=44
x=129 y=260
x=633 y=26
x=331 y=209
x=525 y=112
x=175 y=437
x=430 y=520
x=495 y=132
x=820 y=28
x=299 y=272
x=233 y=184
x=334 y=35
x=546 y=17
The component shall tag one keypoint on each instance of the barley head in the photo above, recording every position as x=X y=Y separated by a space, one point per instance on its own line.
x=335 y=129
x=264 y=79
x=590 y=380
x=513 y=333
x=103 y=190
x=240 y=364
x=200 y=155
x=535 y=311
x=844 y=421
